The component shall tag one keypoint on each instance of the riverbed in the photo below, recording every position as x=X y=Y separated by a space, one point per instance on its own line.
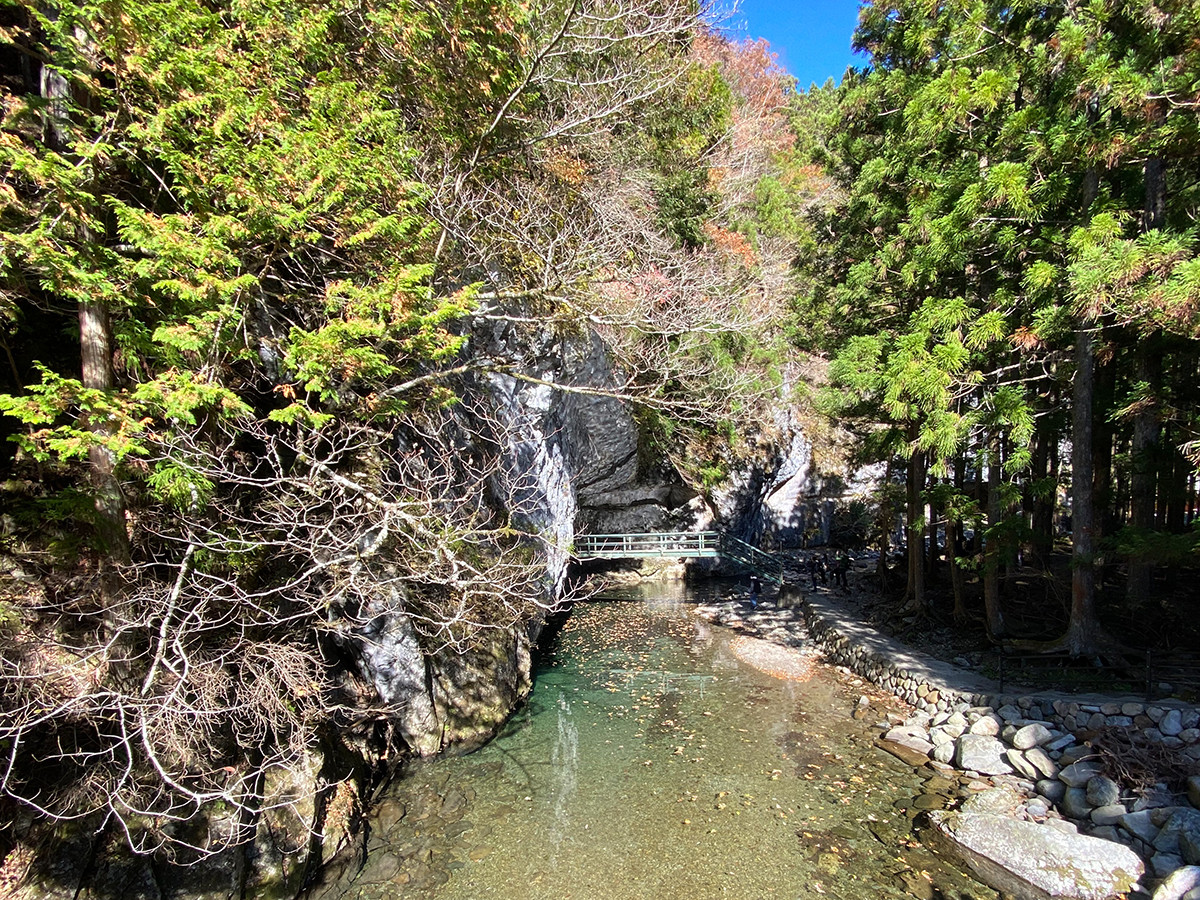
x=661 y=756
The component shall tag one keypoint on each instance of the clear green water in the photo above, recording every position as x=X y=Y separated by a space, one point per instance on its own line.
x=651 y=762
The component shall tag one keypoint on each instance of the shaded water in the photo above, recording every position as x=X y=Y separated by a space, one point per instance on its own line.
x=652 y=762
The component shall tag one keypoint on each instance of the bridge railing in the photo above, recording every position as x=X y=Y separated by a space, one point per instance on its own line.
x=679 y=544
x=750 y=556
x=668 y=543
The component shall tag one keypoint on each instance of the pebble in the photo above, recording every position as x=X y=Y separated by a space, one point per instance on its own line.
x=990 y=738
x=1074 y=803
x=939 y=736
x=1052 y=789
x=1037 y=808
x=1008 y=713
x=987 y=726
x=1163 y=864
x=1140 y=825
x=1172 y=723
x=983 y=754
x=944 y=753
x=1031 y=736
x=1017 y=760
x=1060 y=743
x=1078 y=774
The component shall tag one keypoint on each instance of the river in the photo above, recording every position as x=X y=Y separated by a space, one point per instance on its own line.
x=653 y=760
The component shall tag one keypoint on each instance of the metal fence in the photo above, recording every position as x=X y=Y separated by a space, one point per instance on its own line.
x=679 y=544
x=653 y=544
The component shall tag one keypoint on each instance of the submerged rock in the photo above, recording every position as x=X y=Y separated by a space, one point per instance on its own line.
x=911 y=739
x=908 y=755
x=1034 y=862
x=998 y=801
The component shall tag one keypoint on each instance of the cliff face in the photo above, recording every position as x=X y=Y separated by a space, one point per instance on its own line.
x=581 y=446
x=568 y=458
x=785 y=485
x=573 y=462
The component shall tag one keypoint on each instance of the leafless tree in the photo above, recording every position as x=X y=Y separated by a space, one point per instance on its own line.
x=570 y=235
x=219 y=663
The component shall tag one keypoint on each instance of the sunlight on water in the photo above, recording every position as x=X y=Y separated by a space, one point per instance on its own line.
x=651 y=762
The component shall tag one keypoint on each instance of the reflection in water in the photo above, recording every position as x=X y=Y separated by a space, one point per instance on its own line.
x=653 y=762
x=564 y=765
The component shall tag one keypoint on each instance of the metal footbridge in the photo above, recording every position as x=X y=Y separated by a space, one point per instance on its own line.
x=679 y=545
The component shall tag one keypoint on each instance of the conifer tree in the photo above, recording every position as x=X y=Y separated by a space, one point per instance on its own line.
x=1004 y=178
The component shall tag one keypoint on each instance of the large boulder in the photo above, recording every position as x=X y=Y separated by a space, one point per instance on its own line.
x=390 y=659
x=448 y=697
x=983 y=754
x=476 y=688
x=1033 y=862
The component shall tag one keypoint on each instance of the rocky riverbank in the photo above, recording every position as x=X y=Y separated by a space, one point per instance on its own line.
x=1033 y=794
x=1057 y=785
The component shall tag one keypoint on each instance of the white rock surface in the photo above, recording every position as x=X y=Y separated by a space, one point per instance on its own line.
x=1034 y=862
x=1179 y=884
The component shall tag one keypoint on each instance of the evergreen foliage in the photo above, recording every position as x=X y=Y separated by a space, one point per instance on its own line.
x=1012 y=177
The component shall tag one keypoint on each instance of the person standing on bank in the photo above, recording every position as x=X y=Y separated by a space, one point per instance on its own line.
x=840 y=568
x=755 y=590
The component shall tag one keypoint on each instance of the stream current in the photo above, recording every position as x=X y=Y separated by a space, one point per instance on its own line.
x=660 y=757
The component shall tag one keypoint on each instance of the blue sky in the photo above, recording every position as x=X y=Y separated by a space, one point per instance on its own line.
x=812 y=37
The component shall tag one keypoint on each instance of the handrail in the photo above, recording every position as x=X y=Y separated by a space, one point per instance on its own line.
x=679 y=544
x=749 y=555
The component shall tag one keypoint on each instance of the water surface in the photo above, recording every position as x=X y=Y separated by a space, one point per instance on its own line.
x=652 y=761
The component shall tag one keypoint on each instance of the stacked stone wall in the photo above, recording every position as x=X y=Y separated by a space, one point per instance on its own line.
x=1174 y=725
x=1038 y=745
